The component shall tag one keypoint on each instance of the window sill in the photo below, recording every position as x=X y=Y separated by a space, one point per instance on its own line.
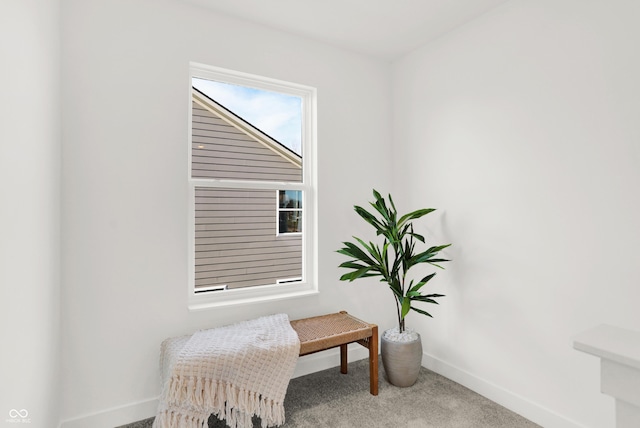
x=267 y=293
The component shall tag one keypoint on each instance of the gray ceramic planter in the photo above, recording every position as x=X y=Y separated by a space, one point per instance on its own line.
x=401 y=361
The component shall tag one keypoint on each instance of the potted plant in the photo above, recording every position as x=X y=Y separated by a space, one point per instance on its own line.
x=391 y=260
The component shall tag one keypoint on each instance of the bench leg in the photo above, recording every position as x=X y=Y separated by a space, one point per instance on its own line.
x=373 y=362
x=343 y=359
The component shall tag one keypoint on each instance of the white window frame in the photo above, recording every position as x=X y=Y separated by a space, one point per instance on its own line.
x=309 y=282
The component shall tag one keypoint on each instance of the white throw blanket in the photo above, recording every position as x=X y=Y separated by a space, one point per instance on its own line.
x=234 y=372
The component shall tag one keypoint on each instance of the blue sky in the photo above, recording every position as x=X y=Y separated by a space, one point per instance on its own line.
x=278 y=115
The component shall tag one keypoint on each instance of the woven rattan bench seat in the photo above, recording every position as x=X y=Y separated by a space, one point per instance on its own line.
x=329 y=331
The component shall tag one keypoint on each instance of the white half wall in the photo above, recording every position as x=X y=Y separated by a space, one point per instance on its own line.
x=29 y=211
x=125 y=98
x=522 y=128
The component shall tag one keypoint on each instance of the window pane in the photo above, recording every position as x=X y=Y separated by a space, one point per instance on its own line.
x=290 y=221
x=290 y=199
x=245 y=133
x=236 y=243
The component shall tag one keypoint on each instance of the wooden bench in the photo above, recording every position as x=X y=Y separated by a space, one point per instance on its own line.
x=316 y=334
x=330 y=331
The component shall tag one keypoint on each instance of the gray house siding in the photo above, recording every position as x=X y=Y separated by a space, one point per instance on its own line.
x=235 y=229
x=220 y=150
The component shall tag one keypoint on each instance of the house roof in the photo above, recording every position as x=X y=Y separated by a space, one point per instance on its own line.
x=249 y=129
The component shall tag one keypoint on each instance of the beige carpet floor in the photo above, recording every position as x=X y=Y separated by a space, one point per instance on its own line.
x=330 y=399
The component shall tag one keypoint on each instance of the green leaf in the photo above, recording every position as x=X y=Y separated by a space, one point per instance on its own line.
x=373 y=250
x=420 y=311
x=438 y=248
x=406 y=306
x=396 y=292
x=381 y=206
x=382 y=209
x=422 y=282
x=357 y=254
x=414 y=215
x=368 y=217
x=434 y=262
x=424 y=299
x=417 y=236
x=346 y=277
x=427 y=255
x=351 y=265
x=396 y=288
x=392 y=204
x=360 y=273
x=369 y=249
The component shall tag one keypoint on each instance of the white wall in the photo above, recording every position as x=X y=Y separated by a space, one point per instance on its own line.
x=29 y=209
x=125 y=99
x=522 y=127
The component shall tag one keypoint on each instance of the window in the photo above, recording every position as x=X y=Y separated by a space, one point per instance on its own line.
x=289 y=212
x=251 y=176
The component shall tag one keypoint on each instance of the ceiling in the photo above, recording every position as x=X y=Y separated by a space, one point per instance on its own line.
x=383 y=29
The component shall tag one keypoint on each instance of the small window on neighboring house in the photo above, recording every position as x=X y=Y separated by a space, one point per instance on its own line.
x=252 y=180
x=289 y=212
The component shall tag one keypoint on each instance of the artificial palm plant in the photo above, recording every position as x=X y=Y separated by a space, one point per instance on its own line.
x=393 y=259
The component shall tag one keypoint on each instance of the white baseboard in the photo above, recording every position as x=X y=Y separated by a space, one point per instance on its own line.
x=134 y=412
x=514 y=402
x=115 y=416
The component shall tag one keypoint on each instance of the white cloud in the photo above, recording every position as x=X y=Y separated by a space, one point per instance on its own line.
x=278 y=115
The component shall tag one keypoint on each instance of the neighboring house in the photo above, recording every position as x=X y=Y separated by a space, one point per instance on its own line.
x=243 y=236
